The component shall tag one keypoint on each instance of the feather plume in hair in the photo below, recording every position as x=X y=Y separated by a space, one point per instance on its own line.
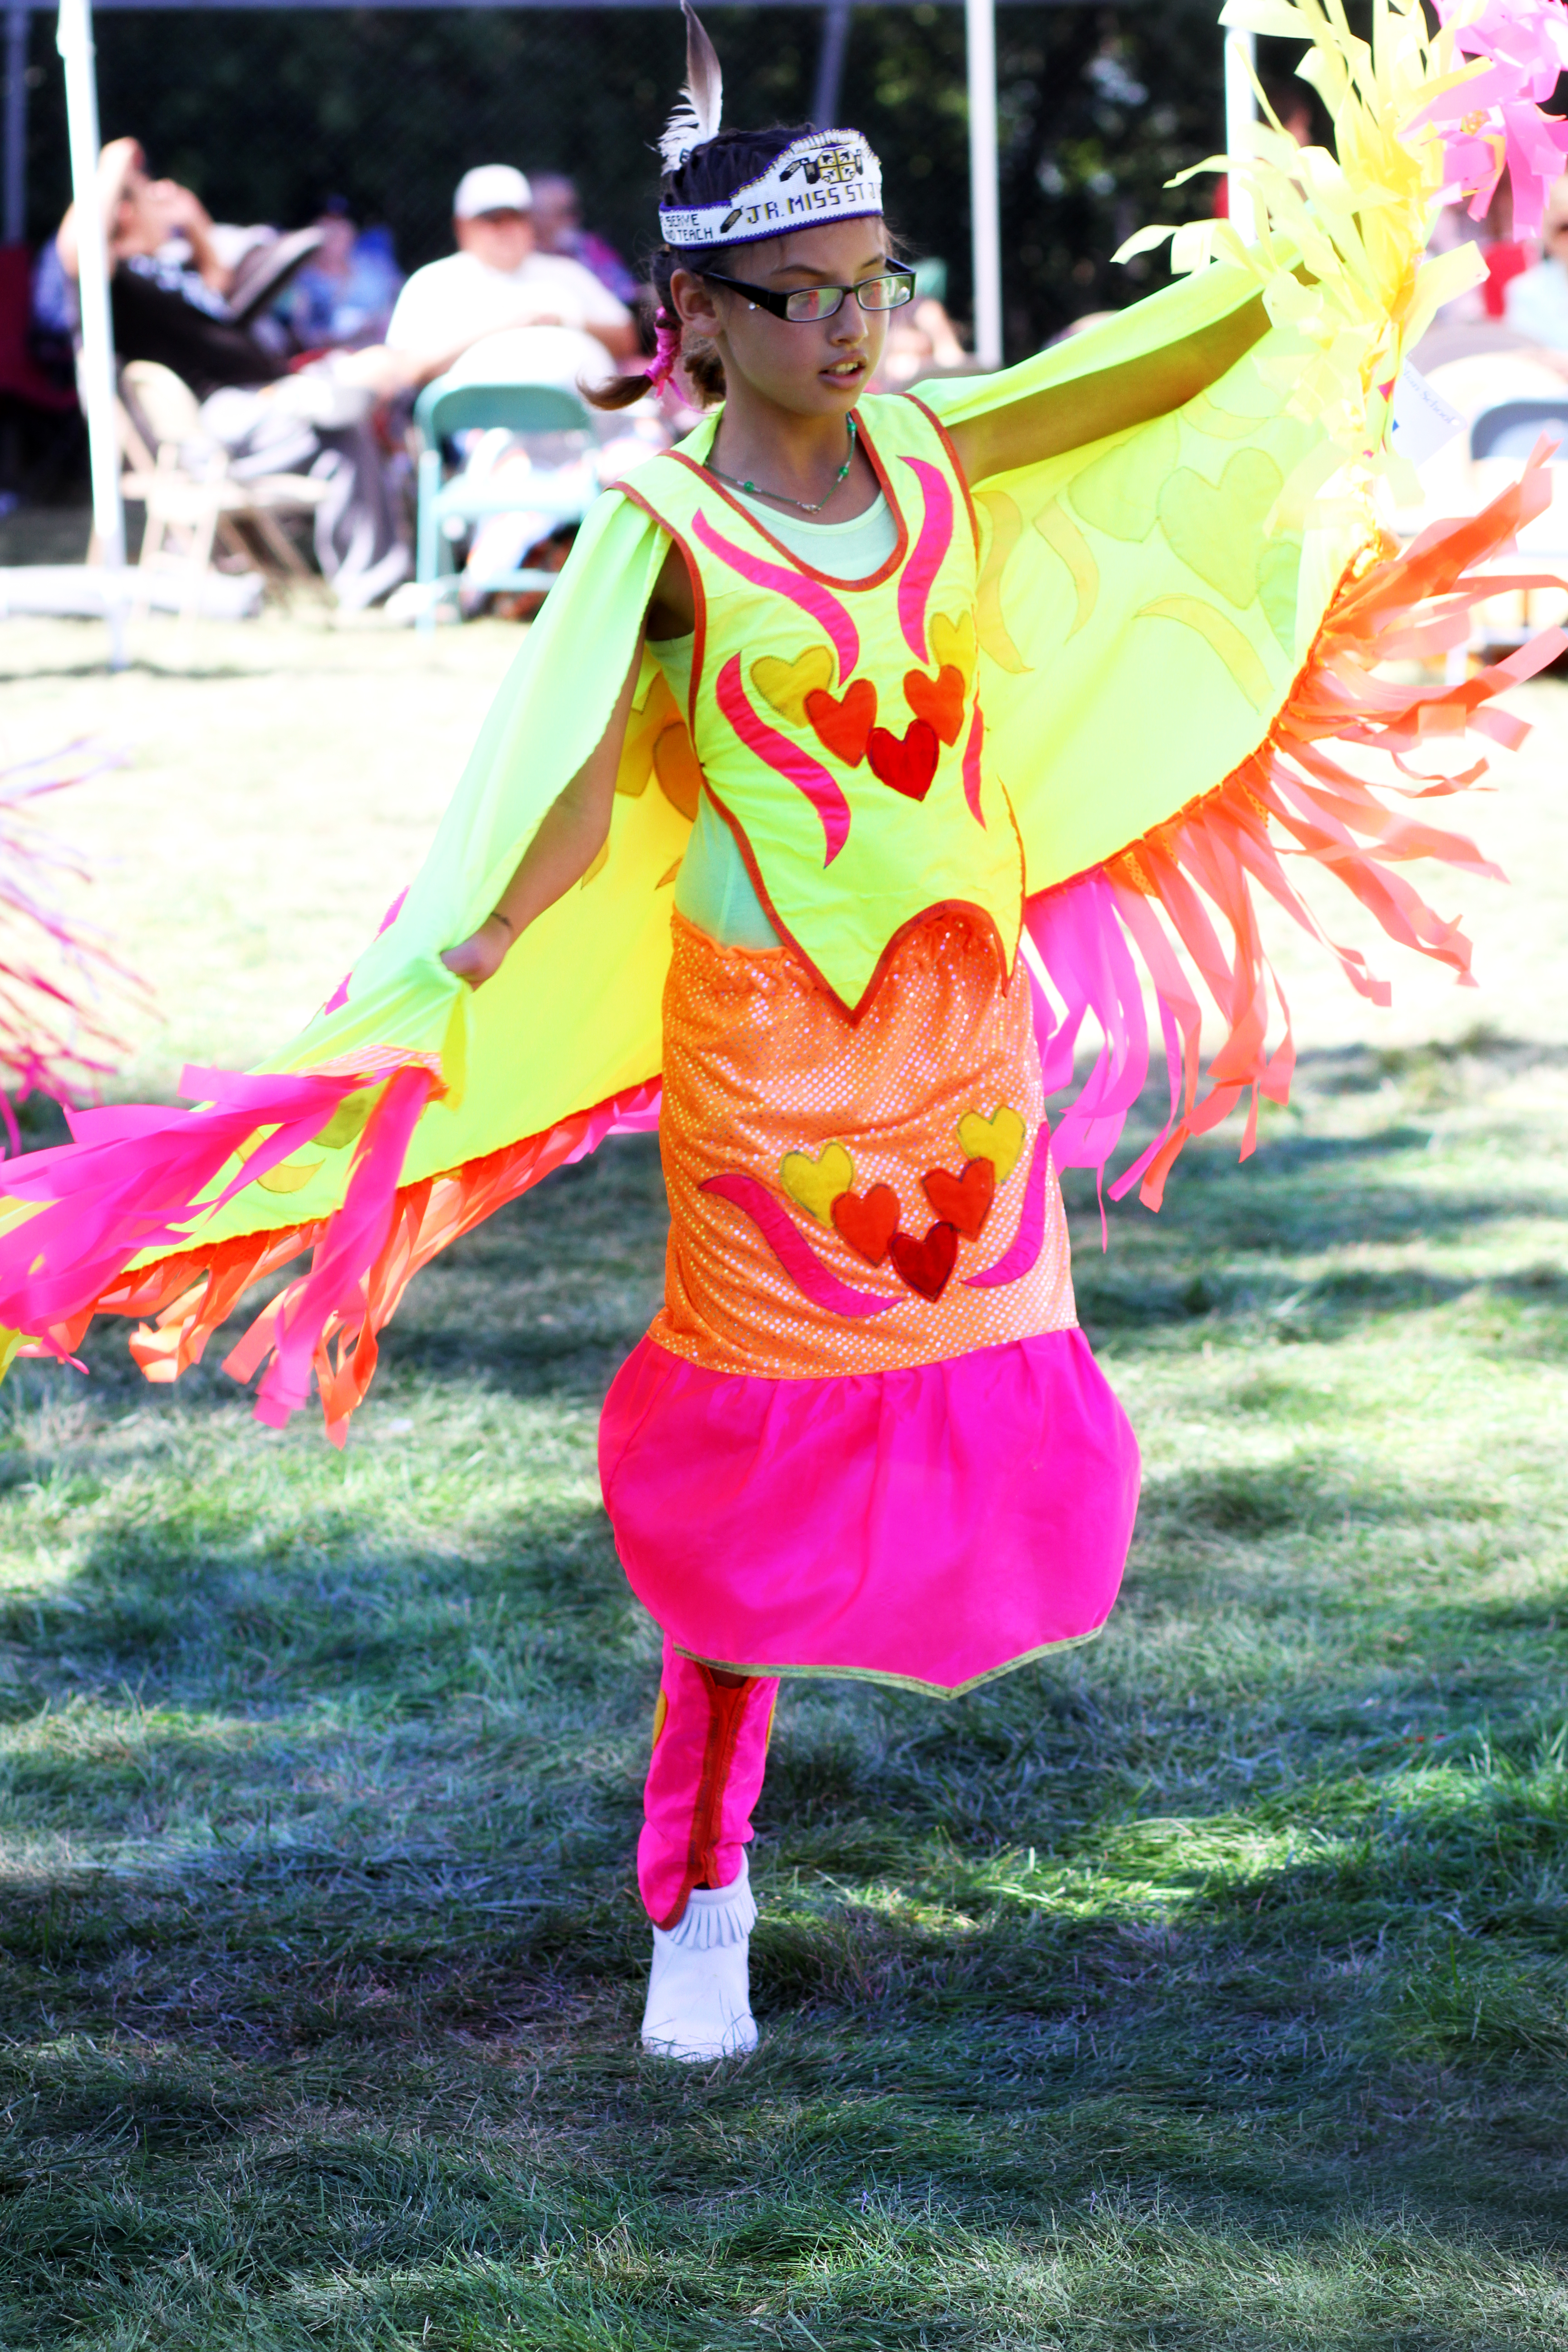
x=697 y=110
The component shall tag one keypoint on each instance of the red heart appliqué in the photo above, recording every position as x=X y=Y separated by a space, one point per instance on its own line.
x=908 y=762
x=844 y=726
x=963 y=1201
x=938 y=701
x=867 y=1224
x=925 y=1265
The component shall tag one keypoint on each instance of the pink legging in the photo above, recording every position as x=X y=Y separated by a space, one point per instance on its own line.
x=709 y=1745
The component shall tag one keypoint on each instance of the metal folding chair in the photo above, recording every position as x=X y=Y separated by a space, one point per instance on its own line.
x=1502 y=437
x=451 y=507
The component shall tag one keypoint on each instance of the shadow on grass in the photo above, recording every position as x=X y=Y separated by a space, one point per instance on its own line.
x=321 y=1959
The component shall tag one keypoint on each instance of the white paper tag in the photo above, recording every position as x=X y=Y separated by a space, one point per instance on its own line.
x=1421 y=421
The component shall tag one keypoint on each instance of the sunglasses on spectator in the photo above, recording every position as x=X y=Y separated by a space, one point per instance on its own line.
x=805 y=303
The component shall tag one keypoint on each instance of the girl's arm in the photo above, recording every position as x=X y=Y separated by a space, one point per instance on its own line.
x=573 y=830
x=1065 y=417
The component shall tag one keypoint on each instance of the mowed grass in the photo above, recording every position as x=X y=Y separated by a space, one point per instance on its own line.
x=1206 y=1988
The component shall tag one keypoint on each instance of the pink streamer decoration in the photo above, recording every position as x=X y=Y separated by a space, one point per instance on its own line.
x=1492 y=122
x=786 y=759
x=809 y=595
x=355 y=1235
x=972 y=751
x=936 y=537
x=1085 y=954
x=57 y=974
x=792 y=1249
x=132 y=1179
x=1018 y=1259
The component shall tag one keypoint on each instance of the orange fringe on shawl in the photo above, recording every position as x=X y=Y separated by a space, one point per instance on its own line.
x=191 y=1293
x=1396 y=608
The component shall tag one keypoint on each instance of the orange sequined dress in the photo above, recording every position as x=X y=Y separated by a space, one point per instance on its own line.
x=865 y=1434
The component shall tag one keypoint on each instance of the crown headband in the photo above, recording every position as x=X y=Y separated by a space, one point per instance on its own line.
x=825 y=175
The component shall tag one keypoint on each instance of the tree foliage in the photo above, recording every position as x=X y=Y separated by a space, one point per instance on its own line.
x=268 y=112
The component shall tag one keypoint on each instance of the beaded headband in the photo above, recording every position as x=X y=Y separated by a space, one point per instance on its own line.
x=825 y=175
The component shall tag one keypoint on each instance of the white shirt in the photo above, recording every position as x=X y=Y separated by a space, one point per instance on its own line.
x=450 y=302
x=1536 y=303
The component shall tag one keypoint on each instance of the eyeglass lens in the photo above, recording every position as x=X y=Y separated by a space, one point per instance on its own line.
x=872 y=294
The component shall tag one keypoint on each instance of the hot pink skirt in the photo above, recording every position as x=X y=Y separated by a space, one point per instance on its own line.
x=865 y=1436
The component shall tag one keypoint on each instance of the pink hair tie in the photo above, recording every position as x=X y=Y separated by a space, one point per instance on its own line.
x=667 y=351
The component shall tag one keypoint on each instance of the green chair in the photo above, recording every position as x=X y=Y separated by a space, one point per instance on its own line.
x=448 y=508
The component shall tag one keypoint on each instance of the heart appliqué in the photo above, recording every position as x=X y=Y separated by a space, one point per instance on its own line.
x=1120 y=493
x=815 y=1184
x=938 y=701
x=907 y=763
x=1216 y=528
x=845 y=725
x=784 y=685
x=952 y=642
x=998 y=1139
x=962 y=1200
x=867 y=1221
x=925 y=1265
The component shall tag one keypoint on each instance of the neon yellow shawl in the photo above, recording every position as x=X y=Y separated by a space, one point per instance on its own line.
x=1220 y=567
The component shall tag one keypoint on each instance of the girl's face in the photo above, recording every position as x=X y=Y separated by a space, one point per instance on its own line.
x=816 y=367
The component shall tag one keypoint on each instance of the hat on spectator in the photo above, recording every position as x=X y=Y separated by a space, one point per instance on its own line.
x=491 y=188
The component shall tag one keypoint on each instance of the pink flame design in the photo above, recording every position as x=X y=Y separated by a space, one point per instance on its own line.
x=786 y=759
x=809 y=595
x=792 y=1249
x=936 y=537
x=1019 y=1259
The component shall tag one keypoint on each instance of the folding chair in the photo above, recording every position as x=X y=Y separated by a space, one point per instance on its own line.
x=449 y=509
x=181 y=474
x=1502 y=437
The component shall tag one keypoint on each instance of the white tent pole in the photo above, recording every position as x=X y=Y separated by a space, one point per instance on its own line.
x=1240 y=112
x=980 y=25
x=17 y=25
x=75 y=43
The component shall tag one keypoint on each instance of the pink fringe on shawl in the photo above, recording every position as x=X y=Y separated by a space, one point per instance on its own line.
x=56 y=975
x=1148 y=915
x=363 y=1255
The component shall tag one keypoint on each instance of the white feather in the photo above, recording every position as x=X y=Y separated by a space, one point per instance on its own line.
x=697 y=111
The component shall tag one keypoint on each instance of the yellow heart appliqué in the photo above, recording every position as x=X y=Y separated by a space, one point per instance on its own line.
x=784 y=685
x=1120 y=493
x=1216 y=528
x=998 y=1139
x=816 y=1183
x=953 y=644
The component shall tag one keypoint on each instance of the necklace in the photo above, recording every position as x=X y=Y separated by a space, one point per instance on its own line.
x=783 y=497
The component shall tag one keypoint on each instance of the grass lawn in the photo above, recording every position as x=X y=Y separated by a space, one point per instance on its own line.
x=1206 y=1989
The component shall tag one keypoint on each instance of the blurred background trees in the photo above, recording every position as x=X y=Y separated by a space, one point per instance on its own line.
x=268 y=112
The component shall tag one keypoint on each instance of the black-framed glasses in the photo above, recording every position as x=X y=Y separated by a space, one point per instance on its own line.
x=805 y=303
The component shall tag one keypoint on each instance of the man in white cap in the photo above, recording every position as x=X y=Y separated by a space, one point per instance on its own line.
x=498 y=280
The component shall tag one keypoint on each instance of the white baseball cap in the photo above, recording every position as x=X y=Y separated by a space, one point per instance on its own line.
x=491 y=188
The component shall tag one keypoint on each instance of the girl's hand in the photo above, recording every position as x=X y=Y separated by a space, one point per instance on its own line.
x=481 y=956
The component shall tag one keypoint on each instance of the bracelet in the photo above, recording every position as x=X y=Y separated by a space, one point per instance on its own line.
x=497 y=917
